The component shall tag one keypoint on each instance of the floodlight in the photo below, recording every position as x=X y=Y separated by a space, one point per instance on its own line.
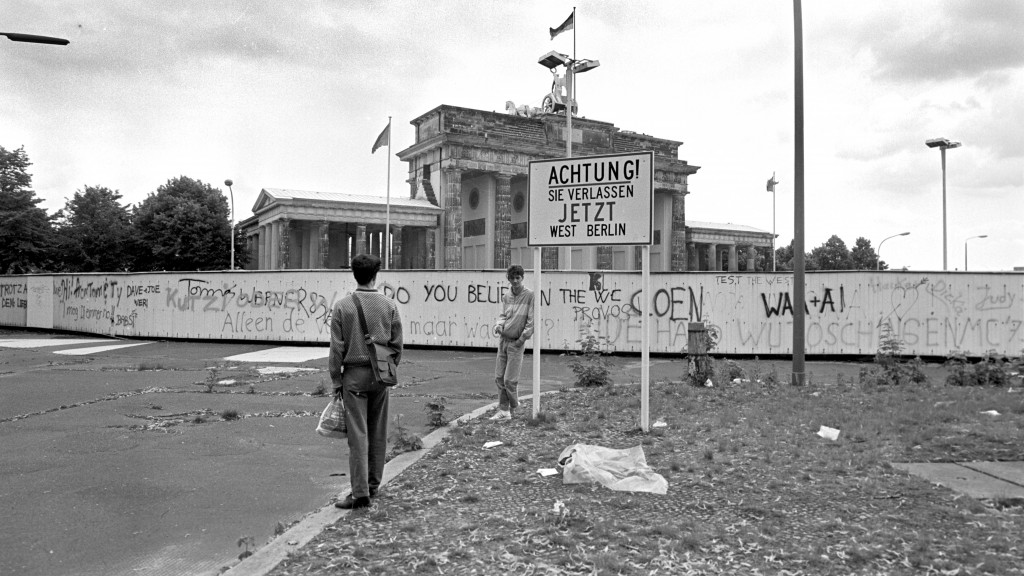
x=554 y=59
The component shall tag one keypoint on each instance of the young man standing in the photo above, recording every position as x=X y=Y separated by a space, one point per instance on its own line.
x=366 y=402
x=514 y=326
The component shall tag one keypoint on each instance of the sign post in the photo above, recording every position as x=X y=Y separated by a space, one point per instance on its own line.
x=596 y=201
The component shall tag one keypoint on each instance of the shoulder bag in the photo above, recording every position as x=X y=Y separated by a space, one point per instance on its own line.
x=382 y=357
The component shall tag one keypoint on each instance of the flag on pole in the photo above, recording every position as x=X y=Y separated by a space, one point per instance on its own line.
x=771 y=183
x=567 y=25
x=384 y=139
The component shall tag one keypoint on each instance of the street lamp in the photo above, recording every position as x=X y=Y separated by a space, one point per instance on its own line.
x=965 y=248
x=228 y=183
x=18 y=37
x=878 y=254
x=943 y=144
x=772 y=182
x=552 y=60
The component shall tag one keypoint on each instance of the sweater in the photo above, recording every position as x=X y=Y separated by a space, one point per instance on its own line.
x=516 y=318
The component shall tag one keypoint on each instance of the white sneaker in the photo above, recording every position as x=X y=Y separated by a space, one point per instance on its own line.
x=501 y=415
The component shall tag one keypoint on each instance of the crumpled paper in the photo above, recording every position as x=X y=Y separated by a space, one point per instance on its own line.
x=624 y=470
x=829 y=433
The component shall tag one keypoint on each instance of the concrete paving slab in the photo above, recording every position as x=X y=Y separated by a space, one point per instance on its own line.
x=47 y=342
x=962 y=479
x=1012 y=472
x=283 y=354
x=97 y=349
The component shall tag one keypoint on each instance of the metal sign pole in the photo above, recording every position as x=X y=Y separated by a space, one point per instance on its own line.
x=645 y=339
x=536 y=331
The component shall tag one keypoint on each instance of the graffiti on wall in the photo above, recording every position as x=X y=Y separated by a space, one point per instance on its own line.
x=751 y=313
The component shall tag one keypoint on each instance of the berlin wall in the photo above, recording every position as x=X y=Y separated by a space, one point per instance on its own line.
x=751 y=313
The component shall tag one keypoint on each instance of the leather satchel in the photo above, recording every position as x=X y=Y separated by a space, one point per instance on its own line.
x=382 y=357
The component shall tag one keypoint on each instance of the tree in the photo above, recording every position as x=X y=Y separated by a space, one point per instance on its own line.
x=832 y=255
x=94 y=232
x=184 y=225
x=26 y=233
x=784 y=257
x=864 y=256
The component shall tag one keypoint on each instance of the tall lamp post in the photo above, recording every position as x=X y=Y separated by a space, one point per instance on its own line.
x=35 y=39
x=228 y=183
x=772 y=183
x=943 y=144
x=878 y=255
x=552 y=60
x=799 y=289
x=965 y=248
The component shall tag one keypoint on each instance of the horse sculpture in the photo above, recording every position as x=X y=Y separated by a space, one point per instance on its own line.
x=524 y=110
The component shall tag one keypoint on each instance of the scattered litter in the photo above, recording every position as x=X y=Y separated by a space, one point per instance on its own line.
x=829 y=433
x=493 y=443
x=816 y=393
x=991 y=412
x=624 y=470
x=943 y=403
x=659 y=424
x=283 y=370
x=559 y=508
x=226 y=382
x=293 y=542
x=547 y=472
x=709 y=383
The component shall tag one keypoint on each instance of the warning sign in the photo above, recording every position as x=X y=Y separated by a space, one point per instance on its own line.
x=591 y=200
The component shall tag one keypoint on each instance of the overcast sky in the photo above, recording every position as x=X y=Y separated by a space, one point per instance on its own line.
x=293 y=94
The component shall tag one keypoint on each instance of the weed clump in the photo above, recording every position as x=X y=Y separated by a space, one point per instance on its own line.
x=993 y=369
x=402 y=440
x=437 y=411
x=589 y=364
x=890 y=369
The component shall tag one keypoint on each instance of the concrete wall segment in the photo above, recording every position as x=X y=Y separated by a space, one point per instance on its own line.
x=751 y=313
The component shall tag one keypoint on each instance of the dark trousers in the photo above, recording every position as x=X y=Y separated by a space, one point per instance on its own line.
x=366 y=414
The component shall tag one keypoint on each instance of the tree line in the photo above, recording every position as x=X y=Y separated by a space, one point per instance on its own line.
x=833 y=255
x=184 y=225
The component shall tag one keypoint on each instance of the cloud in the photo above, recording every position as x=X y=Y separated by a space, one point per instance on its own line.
x=961 y=39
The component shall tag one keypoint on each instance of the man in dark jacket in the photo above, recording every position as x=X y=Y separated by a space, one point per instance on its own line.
x=366 y=402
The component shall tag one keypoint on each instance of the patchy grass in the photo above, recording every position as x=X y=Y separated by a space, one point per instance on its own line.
x=752 y=488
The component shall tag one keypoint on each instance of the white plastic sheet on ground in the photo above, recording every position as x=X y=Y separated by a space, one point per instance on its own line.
x=624 y=470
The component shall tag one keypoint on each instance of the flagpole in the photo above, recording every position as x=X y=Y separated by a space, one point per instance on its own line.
x=387 y=209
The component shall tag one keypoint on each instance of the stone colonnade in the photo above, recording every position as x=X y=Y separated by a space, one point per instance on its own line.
x=720 y=256
x=289 y=243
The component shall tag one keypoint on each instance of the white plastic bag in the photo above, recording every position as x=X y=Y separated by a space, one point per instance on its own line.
x=332 y=420
x=624 y=470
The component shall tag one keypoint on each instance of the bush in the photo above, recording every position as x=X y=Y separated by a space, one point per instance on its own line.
x=589 y=364
x=734 y=370
x=992 y=370
x=890 y=369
